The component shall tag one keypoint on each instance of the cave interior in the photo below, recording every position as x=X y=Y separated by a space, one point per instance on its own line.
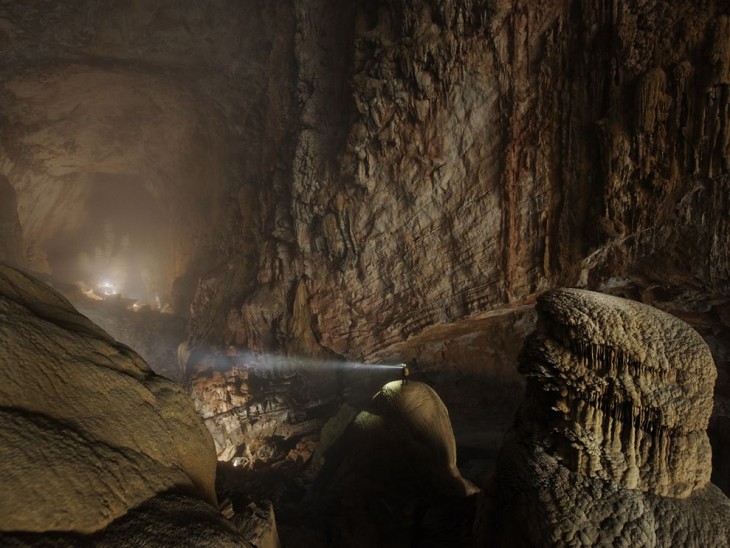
x=279 y=204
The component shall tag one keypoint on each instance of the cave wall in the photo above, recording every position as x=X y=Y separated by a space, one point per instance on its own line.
x=11 y=233
x=451 y=159
x=351 y=179
x=352 y=174
x=154 y=104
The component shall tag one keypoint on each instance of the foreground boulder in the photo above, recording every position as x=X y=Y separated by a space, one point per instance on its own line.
x=609 y=446
x=93 y=444
x=391 y=479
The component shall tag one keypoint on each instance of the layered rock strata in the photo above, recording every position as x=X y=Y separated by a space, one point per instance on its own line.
x=609 y=446
x=94 y=447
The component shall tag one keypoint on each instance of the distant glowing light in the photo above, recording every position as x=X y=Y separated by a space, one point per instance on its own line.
x=108 y=288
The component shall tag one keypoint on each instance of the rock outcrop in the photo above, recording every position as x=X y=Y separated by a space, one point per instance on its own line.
x=94 y=447
x=392 y=471
x=257 y=407
x=609 y=446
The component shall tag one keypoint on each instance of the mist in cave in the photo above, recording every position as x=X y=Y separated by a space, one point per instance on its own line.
x=119 y=247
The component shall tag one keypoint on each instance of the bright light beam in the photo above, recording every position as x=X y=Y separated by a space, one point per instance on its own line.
x=277 y=363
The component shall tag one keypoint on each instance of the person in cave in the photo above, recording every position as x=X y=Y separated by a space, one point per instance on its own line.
x=406 y=371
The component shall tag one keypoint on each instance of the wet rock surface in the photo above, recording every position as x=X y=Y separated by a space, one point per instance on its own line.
x=610 y=444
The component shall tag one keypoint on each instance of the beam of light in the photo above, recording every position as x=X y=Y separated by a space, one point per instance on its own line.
x=278 y=363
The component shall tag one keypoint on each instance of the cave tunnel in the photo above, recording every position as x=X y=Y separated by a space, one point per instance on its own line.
x=278 y=205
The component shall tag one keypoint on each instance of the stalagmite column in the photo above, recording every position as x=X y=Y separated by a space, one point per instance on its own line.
x=610 y=443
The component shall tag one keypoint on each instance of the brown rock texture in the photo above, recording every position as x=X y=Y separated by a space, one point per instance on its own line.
x=492 y=150
x=610 y=444
x=343 y=177
x=455 y=159
x=257 y=408
x=91 y=438
x=523 y=146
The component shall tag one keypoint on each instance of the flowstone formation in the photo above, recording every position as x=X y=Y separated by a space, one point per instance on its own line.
x=609 y=446
x=299 y=164
x=94 y=447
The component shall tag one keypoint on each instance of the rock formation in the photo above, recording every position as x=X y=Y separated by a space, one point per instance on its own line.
x=94 y=447
x=340 y=177
x=493 y=134
x=11 y=233
x=258 y=407
x=392 y=471
x=609 y=446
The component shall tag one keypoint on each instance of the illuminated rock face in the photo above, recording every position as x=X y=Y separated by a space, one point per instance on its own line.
x=257 y=407
x=455 y=159
x=92 y=442
x=246 y=423
x=425 y=162
x=610 y=444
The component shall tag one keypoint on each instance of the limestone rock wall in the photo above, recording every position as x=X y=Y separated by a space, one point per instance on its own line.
x=373 y=168
x=11 y=233
x=124 y=130
x=457 y=157
x=454 y=159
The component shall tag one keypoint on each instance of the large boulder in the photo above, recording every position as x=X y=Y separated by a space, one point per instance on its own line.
x=391 y=479
x=609 y=446
x=92 y=442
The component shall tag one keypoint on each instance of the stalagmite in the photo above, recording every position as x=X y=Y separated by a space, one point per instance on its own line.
x=631 y=443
